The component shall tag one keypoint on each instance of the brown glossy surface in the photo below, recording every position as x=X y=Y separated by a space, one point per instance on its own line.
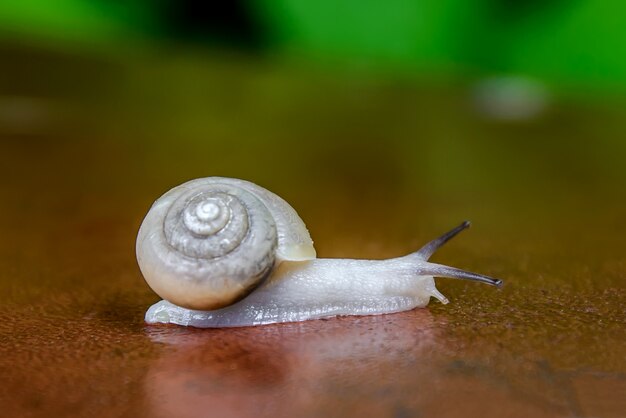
x=376 y=169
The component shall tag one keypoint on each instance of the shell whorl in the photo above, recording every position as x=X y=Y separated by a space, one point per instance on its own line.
x=209 y=242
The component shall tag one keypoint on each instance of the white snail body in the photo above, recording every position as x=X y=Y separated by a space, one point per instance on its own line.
x=225 y=253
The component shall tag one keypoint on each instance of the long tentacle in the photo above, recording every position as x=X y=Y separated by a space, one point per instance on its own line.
x=439 y=270
x=429 y=249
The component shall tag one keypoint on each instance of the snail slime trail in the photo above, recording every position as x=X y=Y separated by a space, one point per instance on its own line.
x=225 y=252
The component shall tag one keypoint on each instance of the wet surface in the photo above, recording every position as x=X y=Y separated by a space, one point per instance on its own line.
x=375 y=169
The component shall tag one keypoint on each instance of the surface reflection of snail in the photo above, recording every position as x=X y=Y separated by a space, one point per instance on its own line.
x=225 y=252
x=295 y=369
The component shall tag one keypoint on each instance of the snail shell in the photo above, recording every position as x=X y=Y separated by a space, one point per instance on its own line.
x=210 y=242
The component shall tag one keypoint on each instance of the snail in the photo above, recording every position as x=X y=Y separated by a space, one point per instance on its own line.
x=224 y=252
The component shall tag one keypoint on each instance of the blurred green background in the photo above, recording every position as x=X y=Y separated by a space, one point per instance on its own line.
x=565 y=43
x=487 y=106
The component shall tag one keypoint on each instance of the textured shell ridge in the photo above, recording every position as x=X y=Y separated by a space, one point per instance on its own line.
x=291 y=230
x=207 y=240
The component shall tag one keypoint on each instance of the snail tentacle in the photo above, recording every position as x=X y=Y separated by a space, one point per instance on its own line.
x=439 y=270
x=429 y=249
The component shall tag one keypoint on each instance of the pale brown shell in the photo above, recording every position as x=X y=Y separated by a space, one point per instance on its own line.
x=209 y=242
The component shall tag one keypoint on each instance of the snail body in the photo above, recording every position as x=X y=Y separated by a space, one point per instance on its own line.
x=225 y=253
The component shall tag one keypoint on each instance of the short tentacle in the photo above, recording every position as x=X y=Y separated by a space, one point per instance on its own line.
x=439 y=296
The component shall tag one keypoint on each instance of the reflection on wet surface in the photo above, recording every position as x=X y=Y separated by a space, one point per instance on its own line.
x=281 y=370
x=375 y=169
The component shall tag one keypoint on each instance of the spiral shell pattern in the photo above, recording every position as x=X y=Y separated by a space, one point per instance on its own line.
x=209 y=242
